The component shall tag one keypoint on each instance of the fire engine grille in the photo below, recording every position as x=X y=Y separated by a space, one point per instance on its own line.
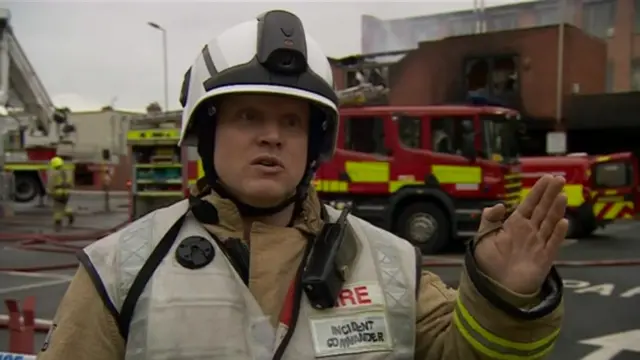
x=512 y=189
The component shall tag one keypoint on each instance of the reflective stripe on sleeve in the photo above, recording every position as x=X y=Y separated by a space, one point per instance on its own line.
x=496 y=347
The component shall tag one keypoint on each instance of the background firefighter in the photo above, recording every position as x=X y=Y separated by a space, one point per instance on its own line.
x=58 y=186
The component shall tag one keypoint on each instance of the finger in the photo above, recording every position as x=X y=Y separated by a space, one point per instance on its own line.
x=493 y=214
x=553 y=216
x=550 y=194
x=491 y=220
x=557 y=237
x=532 y=199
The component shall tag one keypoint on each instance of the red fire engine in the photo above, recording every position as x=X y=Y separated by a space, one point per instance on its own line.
x=599 y=189
x=29 y=163
x=423 y=172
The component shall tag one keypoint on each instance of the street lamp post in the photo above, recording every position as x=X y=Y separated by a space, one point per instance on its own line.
x=165 y=62
x=560 y=60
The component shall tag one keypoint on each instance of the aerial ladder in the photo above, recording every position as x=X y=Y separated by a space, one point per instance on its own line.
x=26 y=109
x=361 y=95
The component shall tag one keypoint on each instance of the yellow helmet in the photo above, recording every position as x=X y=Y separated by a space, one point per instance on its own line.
x=56 y=162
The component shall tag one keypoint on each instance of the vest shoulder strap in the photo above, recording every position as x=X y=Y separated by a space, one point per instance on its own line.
x=116 y=262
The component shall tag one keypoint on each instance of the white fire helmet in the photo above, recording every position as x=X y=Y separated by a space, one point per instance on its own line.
x=271 y=55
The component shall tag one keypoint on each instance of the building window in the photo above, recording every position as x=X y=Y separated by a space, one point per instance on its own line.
x=548 y=15
x=500 y=22
x=610 y=76
x=598 y=18
x=637 y=16
x=635 y=74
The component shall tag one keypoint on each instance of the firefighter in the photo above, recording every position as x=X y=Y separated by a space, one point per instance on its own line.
x=58 y=188
x=220 y=275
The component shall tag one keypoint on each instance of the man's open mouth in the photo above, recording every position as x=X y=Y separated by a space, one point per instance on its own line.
x=269 y=161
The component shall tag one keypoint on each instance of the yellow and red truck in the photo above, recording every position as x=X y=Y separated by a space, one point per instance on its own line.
x=161 y=171
x=29 y=168
x=600 y=189
x=423 y=172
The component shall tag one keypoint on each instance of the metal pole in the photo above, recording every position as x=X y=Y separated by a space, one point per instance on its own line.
x=560 y=70
x=106 y=184
x=166 y=70
x=165 y=62
x=476 y=12
x=483 y=19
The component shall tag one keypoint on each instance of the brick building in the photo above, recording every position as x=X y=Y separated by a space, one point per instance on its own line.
x=615 y=21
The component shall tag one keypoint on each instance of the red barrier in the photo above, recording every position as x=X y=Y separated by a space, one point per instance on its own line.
x=21 y=325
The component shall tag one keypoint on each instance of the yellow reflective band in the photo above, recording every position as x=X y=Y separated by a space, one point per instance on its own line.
x=513 y=185
x=21 y=167
x=449 y=174
x=398 y=184
x=34 y=167
x=335 y=186
x=368 y=171
x=574 y=193
x=495 y=347
x=603 y=158
x=619 y=209
x=156 y=134
x=200 y=172
x=159 y=193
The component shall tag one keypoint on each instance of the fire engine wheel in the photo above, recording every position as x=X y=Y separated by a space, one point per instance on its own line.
x=425 y=226
x=26 y=188
x=579 y=228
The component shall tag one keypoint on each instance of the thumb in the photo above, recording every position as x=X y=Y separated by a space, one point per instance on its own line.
x=493 y=214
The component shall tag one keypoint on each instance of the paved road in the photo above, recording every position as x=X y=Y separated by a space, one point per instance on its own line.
x=599 y=300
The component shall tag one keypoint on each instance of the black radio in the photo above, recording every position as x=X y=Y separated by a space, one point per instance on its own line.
x=330 y=261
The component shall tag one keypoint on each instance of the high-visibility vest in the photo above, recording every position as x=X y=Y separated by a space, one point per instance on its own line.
x=209 y=313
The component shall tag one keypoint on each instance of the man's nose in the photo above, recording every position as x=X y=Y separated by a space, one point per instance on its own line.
x=271 y=134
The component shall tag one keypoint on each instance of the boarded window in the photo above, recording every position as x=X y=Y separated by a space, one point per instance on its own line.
x=598 y=18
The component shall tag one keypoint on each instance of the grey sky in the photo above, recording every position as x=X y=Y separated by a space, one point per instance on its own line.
x=87 y=53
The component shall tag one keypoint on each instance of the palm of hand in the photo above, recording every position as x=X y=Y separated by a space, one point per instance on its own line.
x=521 y=254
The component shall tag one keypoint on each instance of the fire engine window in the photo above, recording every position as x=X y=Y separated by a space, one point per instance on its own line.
x=446 y=134
x=410 y=131
x=365 y=134
x=612 y=175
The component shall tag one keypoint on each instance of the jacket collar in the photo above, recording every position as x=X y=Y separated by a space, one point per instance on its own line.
x=309 y=219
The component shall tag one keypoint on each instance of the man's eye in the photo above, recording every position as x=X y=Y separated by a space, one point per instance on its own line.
x=292 y=121
x=248 y=116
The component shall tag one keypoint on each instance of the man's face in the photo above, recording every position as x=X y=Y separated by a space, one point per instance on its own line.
x=261 y=146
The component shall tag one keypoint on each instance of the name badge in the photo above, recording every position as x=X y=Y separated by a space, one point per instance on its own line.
x=350 y=334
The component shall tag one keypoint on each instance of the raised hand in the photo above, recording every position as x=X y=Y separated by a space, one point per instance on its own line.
x=520 y=255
